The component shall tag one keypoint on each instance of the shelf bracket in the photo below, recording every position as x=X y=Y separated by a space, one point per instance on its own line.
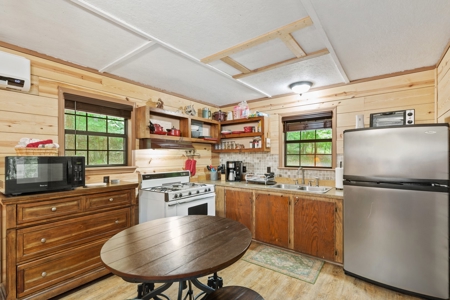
x=191 y=153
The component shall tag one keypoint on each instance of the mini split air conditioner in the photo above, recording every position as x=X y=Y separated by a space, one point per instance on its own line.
x=14 y=72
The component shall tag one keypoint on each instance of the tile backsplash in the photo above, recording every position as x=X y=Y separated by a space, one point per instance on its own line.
x=258 y=162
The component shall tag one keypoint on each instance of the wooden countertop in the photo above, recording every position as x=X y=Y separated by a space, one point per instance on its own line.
x=75 y=192
x=333 y=193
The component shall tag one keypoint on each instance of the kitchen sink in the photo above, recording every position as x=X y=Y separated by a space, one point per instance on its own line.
x=305 y=188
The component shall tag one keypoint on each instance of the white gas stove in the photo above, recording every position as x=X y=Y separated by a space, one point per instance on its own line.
x=171 y=194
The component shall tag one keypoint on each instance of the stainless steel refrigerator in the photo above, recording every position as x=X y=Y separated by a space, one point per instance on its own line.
x=396 y=207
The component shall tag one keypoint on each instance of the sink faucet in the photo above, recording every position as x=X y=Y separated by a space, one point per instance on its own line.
x=303 y=175
x=317 y=180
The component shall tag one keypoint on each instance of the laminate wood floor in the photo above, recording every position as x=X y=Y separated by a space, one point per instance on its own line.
x=332 y=283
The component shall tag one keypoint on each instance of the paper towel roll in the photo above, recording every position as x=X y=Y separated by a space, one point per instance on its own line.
x=339 y=178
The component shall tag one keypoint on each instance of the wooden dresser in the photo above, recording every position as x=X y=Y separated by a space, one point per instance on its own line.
x=51 y=242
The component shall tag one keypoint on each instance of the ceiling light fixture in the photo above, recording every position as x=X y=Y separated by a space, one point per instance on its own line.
x=300 y=87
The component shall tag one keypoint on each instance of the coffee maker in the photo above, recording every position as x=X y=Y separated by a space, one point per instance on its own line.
x=234 y=171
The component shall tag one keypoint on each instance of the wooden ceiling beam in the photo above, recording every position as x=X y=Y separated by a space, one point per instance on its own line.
x=283 y=63
x=292 y=44
x=229 y=61
x=277 y=33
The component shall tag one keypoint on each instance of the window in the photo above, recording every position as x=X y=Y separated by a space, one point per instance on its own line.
x=97 y=129
x=308 y=140
x=101 y=139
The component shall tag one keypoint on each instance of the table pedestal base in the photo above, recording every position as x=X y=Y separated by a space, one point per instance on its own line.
x=147 y=291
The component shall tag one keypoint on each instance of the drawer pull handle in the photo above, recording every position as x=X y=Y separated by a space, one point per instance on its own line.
x=53 y=208
x=43 y=240
x=117 y=222
x=44 y=274
x=111 y=199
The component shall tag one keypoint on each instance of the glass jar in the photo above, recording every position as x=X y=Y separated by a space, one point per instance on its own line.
x=224 y=145
x=233 y=145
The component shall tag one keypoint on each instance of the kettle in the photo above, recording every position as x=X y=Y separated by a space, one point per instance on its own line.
x=232 y=175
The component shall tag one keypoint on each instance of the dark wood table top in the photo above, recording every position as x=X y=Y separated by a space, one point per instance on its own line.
x=176 y=248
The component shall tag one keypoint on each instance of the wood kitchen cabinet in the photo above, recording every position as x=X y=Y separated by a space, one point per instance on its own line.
x=53 y=240
x=239 y=206
x=314 y=227
x=307 y=223
x=272 y=219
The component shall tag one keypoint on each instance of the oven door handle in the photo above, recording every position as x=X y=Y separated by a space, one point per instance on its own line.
x=187 y=201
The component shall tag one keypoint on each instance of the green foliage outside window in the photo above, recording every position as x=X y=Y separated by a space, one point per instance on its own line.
x=309 y=148
x=100 y=138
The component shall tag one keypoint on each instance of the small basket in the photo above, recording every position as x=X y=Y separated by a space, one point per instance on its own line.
x=36 y=151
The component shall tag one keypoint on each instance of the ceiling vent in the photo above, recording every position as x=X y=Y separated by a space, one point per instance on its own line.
x=14 y=72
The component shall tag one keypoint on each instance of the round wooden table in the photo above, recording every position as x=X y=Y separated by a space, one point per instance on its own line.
x=175 y=249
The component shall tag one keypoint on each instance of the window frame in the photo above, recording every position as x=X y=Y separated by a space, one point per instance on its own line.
x=131 y=145
x=282 y=135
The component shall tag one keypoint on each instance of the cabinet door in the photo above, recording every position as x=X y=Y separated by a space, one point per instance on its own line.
x=314 y=228
x=272 y=219
x=239 y=206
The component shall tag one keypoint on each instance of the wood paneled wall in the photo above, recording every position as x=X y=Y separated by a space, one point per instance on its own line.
x=34 y=114
x=409 y=91
x=443 y=89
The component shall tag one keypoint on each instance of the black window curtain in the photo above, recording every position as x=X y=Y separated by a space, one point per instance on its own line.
x=320 y=120
x=97 y=106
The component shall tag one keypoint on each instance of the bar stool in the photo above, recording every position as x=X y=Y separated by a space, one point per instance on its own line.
x=234 y=292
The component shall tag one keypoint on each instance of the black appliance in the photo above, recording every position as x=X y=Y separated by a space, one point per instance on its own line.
x=34 y=174
x=234 y=171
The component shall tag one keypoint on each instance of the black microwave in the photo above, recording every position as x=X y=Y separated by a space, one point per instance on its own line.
x=35 y=174
x=392 y=118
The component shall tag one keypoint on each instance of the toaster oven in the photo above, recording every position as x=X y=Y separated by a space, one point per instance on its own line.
x=392 y=118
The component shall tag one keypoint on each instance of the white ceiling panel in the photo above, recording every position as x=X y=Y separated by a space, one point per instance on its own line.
x=381 y=37
x=220 y=65
x=264 y=54
x=321 y=71
x=63 y=30
x=365 y=38
x=166 y=70
x=308 y=39
x=204 y=27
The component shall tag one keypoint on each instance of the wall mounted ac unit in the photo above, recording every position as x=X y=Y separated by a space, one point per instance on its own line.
x=14 y=72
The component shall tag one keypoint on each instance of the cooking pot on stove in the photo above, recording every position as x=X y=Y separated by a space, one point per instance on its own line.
x=219 y=116
x=173 y=132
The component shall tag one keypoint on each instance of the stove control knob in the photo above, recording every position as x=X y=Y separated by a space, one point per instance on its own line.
x=198 y=192
x=209 y=189
x=180 y=195
x=175 y=196
x=190 y=193
x=205 y=190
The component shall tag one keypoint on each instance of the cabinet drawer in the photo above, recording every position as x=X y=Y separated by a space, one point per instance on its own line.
x=106 y=200
x=48 y=209
x=50 y=238
x=40 y=274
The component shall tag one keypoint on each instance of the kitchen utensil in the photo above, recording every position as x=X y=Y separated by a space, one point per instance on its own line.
x=152 y=127
x=232 y=175
x=158 y=128
x=193 y=167
x=195 y=134
x=206 y=113
x=173 y=132
x=219 y=116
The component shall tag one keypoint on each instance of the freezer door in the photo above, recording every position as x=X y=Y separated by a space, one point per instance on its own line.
x=404 y=152
x=399 y=238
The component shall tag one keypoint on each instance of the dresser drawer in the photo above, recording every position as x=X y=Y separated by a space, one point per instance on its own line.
x=40 y=274
x=44 y=210
x=47 y=239
x=105 y=200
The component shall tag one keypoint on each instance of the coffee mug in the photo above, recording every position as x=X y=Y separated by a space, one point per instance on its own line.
x=206 y=113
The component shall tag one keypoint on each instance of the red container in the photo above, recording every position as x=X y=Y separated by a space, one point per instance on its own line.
x=248 y=128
